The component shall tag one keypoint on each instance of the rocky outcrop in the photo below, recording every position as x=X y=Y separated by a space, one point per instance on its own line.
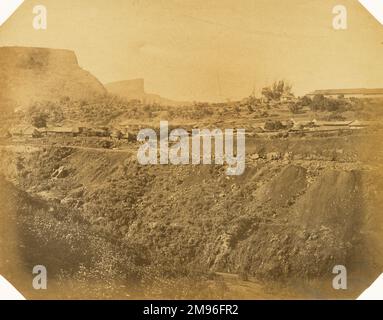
x=30 y=74
x=128 y=89
x=135 y=90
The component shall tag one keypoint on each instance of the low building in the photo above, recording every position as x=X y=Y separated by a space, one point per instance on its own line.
x=99 y=132
x=129 y=135
x=26 y=131
x=332 y=123
x=297 y=125
x=360 y=123
x=43 y=131
x=116 y=134
x=62 y=131
x=360 y=93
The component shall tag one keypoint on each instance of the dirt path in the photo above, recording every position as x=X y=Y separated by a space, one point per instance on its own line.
x=35 y=145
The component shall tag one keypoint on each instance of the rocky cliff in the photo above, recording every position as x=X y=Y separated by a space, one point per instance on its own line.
x=35 y=74
x=128 y=89
x=135 y=90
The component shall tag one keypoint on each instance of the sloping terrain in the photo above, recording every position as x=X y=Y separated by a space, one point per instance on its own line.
x=30 y=74
x=284 y=220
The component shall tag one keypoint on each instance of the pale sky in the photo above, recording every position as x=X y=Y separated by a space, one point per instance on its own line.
x=210 y=50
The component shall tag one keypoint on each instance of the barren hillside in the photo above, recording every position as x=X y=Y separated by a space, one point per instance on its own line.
x=286 y=220
x=38 y=74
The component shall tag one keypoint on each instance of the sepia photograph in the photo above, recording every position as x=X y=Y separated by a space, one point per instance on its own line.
x=191 y=150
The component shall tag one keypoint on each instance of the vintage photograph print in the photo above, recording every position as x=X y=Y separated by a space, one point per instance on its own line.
x=191 y=149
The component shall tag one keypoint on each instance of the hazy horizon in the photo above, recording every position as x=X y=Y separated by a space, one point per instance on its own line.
x=199 y=50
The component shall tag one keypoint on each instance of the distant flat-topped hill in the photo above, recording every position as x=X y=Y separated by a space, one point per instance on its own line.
x=128 y=89
x=35 y=74
x=135 y=90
